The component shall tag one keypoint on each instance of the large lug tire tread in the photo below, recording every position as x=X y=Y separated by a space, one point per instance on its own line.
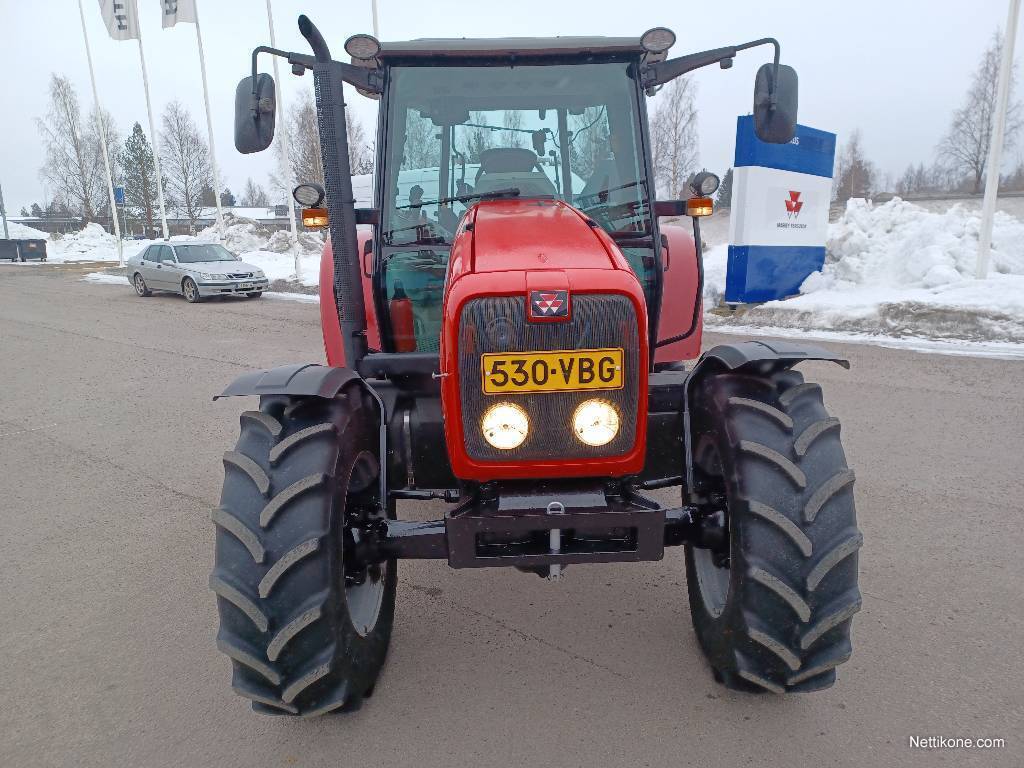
x=278 y=572
x=794 y=541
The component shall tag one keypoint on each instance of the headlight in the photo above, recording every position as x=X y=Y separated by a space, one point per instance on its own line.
x=596 y=422
x=258 y=273
x=505 y=426
x=206 y=276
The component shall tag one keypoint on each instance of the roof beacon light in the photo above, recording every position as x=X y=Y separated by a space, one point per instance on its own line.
x=658 y=40
x=362 y=46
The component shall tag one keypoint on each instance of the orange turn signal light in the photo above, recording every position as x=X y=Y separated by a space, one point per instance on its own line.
x=699 y=206
x=314 y=218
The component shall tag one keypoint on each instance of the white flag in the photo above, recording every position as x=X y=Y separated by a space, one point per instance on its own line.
x=120 y=18
x=178 y=10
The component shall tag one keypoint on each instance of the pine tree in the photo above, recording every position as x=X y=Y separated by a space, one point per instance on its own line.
x=724 y=197
x=139 y=176
x=227 y=200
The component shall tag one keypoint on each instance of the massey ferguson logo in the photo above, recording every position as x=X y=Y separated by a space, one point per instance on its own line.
x=549 y=305
x=793 y=205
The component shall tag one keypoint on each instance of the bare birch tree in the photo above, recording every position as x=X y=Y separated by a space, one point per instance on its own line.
x=185 y=160
x=74 y=151
x=856 y=176
x=674 y=136
x=965 y=148
x=304 y=145
x=254 y=196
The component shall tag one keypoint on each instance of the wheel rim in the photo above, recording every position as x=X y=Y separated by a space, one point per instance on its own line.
x=190 y=290
x=364 y=589
x=140 y=286
x=713 y=577
x=712 y=580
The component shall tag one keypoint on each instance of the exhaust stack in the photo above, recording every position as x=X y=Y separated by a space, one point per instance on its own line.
x=330 y=112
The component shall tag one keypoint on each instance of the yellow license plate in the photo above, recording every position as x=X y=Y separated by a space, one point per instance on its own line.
x=570 y=370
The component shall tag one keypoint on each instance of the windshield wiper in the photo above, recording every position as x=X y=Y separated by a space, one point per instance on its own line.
x=510 y=192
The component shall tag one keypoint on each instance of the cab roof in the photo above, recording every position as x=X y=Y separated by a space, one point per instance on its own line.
x=462 y=47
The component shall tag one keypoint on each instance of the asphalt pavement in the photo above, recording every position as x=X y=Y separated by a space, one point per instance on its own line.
x=110 y=462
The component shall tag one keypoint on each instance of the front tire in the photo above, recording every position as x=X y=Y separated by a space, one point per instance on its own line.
x=773 y=610
x=190 y=291
x=306 y=634
x=254 y=294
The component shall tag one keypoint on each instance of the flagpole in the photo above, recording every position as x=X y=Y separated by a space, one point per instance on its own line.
x=284 y=148
x=3 y=214
x=209 y=125
x=152 y=130
x=103 y=140
x=995 y=146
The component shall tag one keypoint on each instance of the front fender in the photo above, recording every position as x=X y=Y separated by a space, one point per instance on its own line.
x=761 y=357
x=300 y=380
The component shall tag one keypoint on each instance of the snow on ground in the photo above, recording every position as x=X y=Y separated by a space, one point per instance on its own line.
x=899 y=270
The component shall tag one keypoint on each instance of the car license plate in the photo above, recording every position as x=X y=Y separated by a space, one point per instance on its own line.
x=570 y=370
x=248 y=285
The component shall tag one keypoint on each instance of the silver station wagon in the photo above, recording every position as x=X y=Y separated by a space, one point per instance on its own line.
x=195 y=270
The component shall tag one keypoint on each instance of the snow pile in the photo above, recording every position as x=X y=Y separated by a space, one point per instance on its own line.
x=92 y=243
x=281 y=266
x=899 y=270
x=23 y=232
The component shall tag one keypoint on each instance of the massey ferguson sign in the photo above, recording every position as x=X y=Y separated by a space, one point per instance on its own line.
x=779 y=219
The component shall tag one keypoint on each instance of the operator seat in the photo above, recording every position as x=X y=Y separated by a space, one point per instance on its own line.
x=508 y=167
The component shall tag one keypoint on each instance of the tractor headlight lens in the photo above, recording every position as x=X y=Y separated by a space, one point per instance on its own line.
x=505 y=426
x=596 y=422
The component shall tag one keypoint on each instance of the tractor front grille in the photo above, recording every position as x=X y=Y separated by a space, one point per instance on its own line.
x=498 y=324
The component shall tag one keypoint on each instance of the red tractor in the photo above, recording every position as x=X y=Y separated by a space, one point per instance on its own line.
x=505 y=331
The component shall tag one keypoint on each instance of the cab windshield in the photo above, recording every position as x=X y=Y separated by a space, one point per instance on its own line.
x=569 y=132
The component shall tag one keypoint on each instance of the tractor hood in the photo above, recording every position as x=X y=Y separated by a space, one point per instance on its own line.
x=537 y=235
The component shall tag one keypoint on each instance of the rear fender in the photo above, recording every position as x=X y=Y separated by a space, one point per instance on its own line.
x=759 y=357
x=333 y=345
x=679 y=291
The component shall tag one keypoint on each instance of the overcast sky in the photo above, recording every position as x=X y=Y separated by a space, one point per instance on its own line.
x=895 y=69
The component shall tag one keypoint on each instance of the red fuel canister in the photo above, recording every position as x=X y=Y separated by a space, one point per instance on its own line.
x=402 y=329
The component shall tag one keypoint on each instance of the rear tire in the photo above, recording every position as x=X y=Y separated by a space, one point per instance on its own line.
x=139 y=283
x=304 y=635
x=778 y=617
x=190 y=291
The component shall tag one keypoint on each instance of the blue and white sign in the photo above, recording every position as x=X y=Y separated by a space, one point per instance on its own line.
x=779 y=217
x=118 y=195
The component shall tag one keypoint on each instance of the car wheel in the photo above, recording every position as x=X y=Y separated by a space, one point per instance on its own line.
x=190 y=290
x=140 y=285
x=254 y=294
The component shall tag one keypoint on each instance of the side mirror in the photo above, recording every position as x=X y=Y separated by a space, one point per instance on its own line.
x=255 y=113
x=775 y=124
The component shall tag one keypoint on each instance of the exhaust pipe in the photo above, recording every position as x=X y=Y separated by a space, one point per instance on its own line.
x=330 y=113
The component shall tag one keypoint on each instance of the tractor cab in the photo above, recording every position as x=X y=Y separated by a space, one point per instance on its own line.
x=538 y=124
x=506 y=329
